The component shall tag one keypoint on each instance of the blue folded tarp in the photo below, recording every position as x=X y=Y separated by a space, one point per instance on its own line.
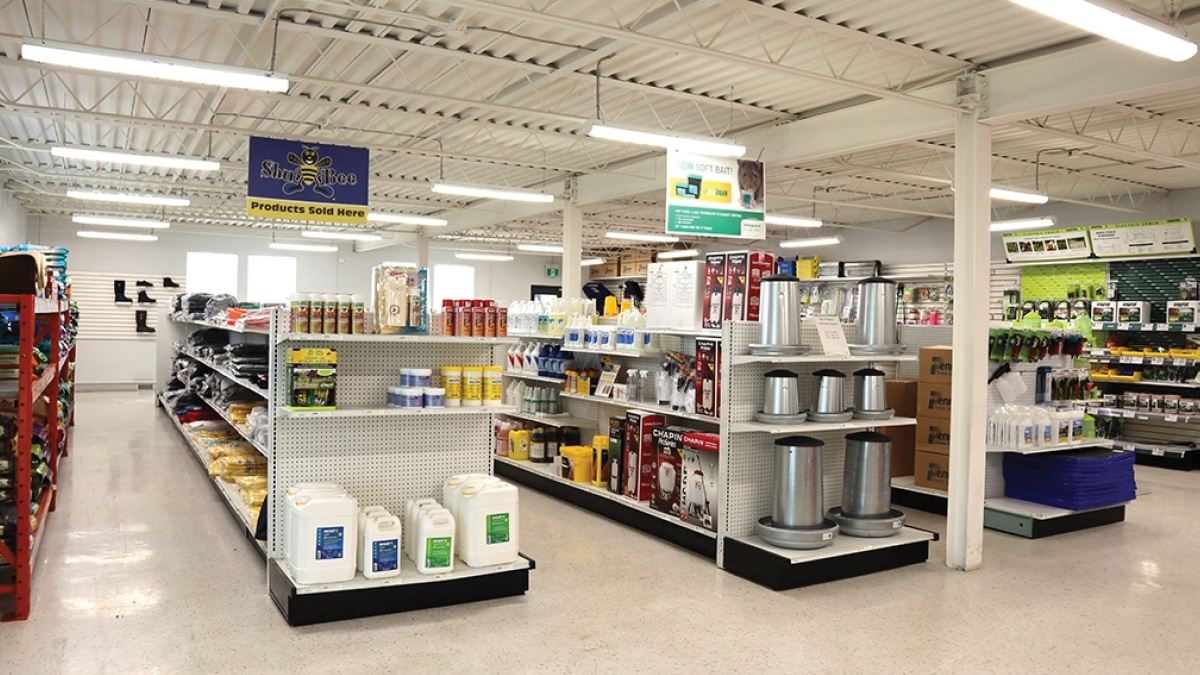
x=1089 y=479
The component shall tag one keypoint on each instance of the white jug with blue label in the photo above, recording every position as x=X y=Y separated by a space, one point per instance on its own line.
x=488 y=524
x=364 y=514
x=435 y=542
x=381 y=538
x=412 y=514
x=290 y=534
x=327 y=527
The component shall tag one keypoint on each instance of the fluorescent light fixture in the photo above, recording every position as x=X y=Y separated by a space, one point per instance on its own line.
x=1008 y=194
x=685 y=253
x=403 y=219
x=591 y=262
x=85 y=219
x=1120 y=23
x=815 y=241
x=1023 y=224
x=539 y=248
x=124 y=236
x=311 y=248
x=791 y=221
x=638 y=236
x=127 y=198
x=699 y=145
x=486 y=192
x=493 y=257
x=118 y=157
x=346 y=236
x=156 y=67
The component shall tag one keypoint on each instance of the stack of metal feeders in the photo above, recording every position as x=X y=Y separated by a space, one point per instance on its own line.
x=877 y=318
x=829 y=398
x=870 y=395
x=781 y=399
x=779 y=318
x=797 y=519
x=866 y=509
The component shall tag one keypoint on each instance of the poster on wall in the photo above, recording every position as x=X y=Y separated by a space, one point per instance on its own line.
x=298 y=180
x=715 y=196
x=1069 y=243
x=1147 y=238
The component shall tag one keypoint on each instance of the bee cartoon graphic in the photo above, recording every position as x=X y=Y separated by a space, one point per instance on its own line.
x=309 y=163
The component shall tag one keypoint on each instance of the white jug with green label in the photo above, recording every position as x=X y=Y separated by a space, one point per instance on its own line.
x=412 y=519
x=380 y=539
x=435 y=542
x=327 y=529
x=489 y=523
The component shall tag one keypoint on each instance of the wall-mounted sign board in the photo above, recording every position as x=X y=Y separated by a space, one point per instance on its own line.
x=1069 y=243
x=1147 y=238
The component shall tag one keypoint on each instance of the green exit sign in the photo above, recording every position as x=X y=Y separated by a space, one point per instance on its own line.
x=552 y=271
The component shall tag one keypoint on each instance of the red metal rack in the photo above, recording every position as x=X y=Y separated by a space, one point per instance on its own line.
x=39 y=318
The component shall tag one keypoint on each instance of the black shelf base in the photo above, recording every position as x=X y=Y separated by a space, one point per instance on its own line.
x=778 y=573
x=312 y=608
x=920 y=501
x=1185 y=462
x=630 y=515
x=1033 y=528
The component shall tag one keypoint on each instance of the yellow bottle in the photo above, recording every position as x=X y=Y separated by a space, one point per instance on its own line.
x=518 y=444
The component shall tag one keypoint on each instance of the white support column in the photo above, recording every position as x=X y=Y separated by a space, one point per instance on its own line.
x=572 y=273
x=423 y=252
x=972 y=244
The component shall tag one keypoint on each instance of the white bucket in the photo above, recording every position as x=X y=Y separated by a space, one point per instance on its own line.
x=435 y=542
x=381 y=547
x=327 y=527
x=489 y=523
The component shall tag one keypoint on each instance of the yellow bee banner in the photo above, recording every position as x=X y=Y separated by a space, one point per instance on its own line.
x=317 y=182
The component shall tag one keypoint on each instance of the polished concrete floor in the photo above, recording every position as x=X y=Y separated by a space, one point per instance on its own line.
x=144 y=571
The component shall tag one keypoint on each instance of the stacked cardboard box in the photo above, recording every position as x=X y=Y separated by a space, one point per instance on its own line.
x=902 y=397
x=932 y=460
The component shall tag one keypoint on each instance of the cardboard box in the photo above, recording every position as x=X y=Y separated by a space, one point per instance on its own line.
x=611 y=268
x=636 y=264
x=932 y=470
x=1182 y=311
x=699 y=481
x=639 y=461
x=933 y=400
x=744 y=271
x=902 y=397
x=668 y=469
x=714 y=289
x=708 y=377
x=904 y=447
x=936 y=364
x=1133 y=311
x=933 y=435
x=1104 y=312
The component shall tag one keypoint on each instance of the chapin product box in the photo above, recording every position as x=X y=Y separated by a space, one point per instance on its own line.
x=668 y=469
x=708 y=377
x=639 y=453
x=700 y=478
x=744 y=271
x=714 y=289
x=616 y=455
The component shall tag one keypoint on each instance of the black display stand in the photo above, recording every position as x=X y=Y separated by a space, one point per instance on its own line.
x=779 y=573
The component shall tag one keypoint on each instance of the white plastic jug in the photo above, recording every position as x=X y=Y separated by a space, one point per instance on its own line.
x=453 y=486
x=365 y=514
x=412 y=512
x=381 y=547
x=454 y=503
x=293 y=493
x=435 y=542
x=489 y=524
x=327 y=527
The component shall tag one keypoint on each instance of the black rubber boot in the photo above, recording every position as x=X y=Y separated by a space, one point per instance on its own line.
x=167 y=283
x=142 y=316
x=144 y=297
x=145 y=284
x=119 y=292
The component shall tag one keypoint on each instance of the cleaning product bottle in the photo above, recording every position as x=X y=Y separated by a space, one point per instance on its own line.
x=412 y=514
x=435 y=542
x=381 y=547
x=600 y=461
x=518 y=444
x=365 y=514
x=488 y=525
x=553 y=441
x=327 y=527
x=537 y=446
x=502 y=431
x=416 y=308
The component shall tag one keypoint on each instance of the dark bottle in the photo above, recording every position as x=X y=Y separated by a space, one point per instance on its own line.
x=537 y=446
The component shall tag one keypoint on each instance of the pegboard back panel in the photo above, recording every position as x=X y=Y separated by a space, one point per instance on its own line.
x=100 y=318
x=916 y=337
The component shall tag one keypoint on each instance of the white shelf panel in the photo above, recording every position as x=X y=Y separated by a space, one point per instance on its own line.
x=1143 y=415
x=1033 y=510
x=548 y=469
x=821 y=358
x=396 y=337
x=842 y=545
x=817 y=427
x=1151 y=383
x=408 y=576
x=1177 y=451
x=534 y=336
x=226 y=373
x=533 y=378
x=643 y=406
x=552 y=420
x=222 y=326
x=394 y=412
x=1089 y=443
x=908 y=483
x=628 y=353
x=1143 y=360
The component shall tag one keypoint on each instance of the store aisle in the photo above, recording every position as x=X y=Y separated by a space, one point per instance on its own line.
x=144 y=571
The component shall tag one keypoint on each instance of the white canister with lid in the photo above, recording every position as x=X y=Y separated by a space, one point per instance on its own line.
x=435 y=397
x=420 y=377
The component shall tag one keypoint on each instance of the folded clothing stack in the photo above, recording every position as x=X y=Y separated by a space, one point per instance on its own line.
x=208 y=343
x=249 y=361
x=1087 y=479
x=202 y=306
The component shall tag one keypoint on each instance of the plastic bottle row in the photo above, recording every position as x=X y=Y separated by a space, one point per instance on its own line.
x=469 y=318
x=533 y=317
x=448 y=386
x=1026 y=427
x=328 y=313
x=533 y=400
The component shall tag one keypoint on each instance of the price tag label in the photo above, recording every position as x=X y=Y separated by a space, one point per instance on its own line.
x=1128 y=359
x=1163 y=327
x=832 y=335
x=897 y=524
x=1129 y=447
x=1124 y=325
x=1157 y=452
x=1129 y=414
x=1189 y=328
x=1171 y=418
x=1157 y=362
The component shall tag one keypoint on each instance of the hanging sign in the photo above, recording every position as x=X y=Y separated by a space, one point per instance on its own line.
x=318 y=182
x=715 y=196
x=1064 y=244
x=1147 y=238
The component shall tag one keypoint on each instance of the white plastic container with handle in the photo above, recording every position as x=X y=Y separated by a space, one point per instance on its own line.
x=380 y=539
x=327 y=527
x=435 y=542
x=489 y=524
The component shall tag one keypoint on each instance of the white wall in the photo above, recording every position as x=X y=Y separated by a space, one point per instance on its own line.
x=12 y=220
x=128 y=362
